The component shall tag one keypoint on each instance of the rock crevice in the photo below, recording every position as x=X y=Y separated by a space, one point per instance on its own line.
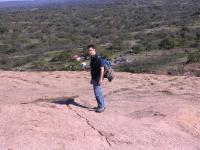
x=91 y=126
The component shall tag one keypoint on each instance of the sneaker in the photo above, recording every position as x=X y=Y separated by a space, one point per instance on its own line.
x=96 y=107
x=100 y=110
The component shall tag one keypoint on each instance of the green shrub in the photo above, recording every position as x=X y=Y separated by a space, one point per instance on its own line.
x=73 y=66
x=167 y=43
x=3 y=61
x=3 y=30
x=12 y=50
x=116 y=46
x=107 y=54
x=63 y=56
x=197 y=73
x=194 y=57
x=31 y=46
x=137 y=49
x=39 y=64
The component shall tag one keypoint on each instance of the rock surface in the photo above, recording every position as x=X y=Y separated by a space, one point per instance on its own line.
x=53 y=110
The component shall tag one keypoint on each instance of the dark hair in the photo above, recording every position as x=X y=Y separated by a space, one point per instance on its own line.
x=91 y=46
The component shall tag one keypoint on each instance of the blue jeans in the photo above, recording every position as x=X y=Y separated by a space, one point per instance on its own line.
x=98 y=94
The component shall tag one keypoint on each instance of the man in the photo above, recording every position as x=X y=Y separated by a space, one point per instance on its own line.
x=97 y=73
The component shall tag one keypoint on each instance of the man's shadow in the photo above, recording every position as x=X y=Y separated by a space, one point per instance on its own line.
x=71 y=101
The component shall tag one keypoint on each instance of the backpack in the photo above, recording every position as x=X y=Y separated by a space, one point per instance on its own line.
x=108 y=71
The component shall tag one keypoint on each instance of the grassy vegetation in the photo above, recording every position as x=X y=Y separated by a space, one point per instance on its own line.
x=126 y=27
x=194 y=57
x=151 y=64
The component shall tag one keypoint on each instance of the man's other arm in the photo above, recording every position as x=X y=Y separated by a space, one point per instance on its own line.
x=101 y=75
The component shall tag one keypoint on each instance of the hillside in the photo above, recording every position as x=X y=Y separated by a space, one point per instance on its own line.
x=34 y=38
x=53 y=110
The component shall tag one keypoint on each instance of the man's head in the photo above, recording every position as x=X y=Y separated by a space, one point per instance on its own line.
x=91 y=50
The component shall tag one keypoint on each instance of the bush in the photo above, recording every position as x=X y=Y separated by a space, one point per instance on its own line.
x=194 y=57
x=40 y=64
x=31 y=46
x=3 y=61
x=197 y=73
x=167 y=43
x=137 y=49
x=63 y=56
x=75 y=66
x=116 y=46
x=12 y=50
x=3 y=30
x=107 y=54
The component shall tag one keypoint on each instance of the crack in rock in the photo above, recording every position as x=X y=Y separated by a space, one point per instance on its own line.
x=88 y=122
x=121 y=142
x=118 y=91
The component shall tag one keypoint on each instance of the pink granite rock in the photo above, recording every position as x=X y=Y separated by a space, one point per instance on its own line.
x=53 y=110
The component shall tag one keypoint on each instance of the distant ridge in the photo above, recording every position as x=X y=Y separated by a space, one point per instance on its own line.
x=33 y=3
x=38 y=3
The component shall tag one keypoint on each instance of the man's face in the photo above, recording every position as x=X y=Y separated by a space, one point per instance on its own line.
x=91 y=51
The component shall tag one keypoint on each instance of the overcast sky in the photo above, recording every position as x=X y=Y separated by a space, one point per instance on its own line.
x=13 y=0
